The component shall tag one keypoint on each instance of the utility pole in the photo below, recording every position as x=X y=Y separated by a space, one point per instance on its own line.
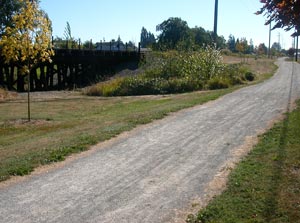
x=297 y=41
x=278 y=47
x=216 y=21
x=269 y=52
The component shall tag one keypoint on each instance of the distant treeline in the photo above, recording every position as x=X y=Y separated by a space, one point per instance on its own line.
x=175 y=34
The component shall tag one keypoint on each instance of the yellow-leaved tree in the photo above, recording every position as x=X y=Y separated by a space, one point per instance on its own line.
x=28 y=40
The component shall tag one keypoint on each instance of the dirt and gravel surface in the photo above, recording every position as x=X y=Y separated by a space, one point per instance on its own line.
x=158 y=172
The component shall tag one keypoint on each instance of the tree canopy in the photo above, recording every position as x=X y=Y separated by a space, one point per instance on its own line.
x=28 y=39
x=285 y=14
x=176 y=34
x=172 y=31
x=8 y=8
x=202 y=37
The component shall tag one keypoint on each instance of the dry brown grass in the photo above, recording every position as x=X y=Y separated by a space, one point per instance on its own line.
x=259 y=65
x=5 y=95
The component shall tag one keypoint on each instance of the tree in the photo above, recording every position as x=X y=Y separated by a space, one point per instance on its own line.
x=251 y=46
x=68 y=32
x=285 y=14
x=187 y=43
x=201 y=36
x=8 y=8
x=237 y=45
x=221 y=42
x=245 y=46
x=176 y=34
x=242 y=45
x=172 y=31
x=70 y=41
x=119 y=43
x=88 y=45
x=291 y=52
x=276 y=46
x=147 y=38
x=262 y=49
x=231 y=43
x=28 y=40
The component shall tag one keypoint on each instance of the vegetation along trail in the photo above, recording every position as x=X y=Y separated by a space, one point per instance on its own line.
x=156 y=172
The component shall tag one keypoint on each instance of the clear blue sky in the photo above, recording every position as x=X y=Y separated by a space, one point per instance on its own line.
x=103 y=19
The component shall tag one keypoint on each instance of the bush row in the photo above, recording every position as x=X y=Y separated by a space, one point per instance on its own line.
x=141 y=85
x=176 y=72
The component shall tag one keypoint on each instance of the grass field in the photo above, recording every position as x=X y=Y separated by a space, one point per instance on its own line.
x=265 y=186
x=66 y=125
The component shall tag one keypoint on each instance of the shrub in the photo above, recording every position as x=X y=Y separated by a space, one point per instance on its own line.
x=226 y=52
x=108 y=88
x=211 y=62
x=184 y=85
x=218 y=83
x=141 y=86
x=249 y=76
x=203 y=64
x=237 y=74
x=145 y=86
x=154 y=72
x=172 y=67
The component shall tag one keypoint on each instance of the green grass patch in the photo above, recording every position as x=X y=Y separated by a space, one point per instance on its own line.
x=265 y=186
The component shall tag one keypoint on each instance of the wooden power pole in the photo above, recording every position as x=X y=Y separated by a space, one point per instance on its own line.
x=216 y=21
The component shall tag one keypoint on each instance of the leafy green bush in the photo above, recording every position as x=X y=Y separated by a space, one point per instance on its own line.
x=249 y=76
x=203 y=64
x=233 y=73
x=226 y=52
x=237 y=74
x=184 y=85
x=218 y=83
x=142 y=85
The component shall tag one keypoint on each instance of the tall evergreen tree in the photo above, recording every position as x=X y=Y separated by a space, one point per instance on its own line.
x=147 y=38
x=231 y=43
x=251 y=46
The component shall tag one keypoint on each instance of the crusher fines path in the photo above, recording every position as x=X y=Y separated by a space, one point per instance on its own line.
x=159 y=169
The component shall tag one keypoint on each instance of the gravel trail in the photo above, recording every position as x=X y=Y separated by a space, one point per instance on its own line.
x=157 y=171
